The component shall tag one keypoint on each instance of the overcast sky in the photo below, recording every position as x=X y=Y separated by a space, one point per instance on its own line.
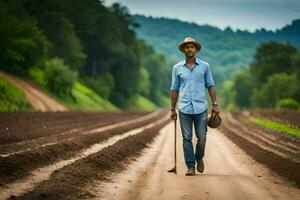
x=242 y=14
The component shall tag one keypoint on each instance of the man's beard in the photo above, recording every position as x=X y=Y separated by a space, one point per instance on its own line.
x=190 y=55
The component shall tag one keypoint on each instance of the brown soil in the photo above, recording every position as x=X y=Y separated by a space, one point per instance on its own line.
x=21 y=164
x=20 y=130
x=229 y=173
x=279 y=151
x=68 y=183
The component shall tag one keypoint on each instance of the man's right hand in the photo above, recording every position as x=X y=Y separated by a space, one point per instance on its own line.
x=173 y=115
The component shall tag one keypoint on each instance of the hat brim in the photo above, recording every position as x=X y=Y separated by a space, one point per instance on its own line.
x=181 y=45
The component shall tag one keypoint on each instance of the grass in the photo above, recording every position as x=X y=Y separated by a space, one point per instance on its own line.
x=12 y=98
x=82 y=99
x=86 y=99
x=276 y=126
x=140 y=103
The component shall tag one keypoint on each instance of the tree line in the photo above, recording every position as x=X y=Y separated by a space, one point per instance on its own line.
x=272 y=80
x=225 y=50
x=56 y=43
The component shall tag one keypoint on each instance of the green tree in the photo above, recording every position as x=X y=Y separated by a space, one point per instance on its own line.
x=278 y=86
x=126 y=75
x=271 y=58
x=159 y=73
x=242 y=86
x=59 y=30
x=144 y=82
x=22 y=43
x=103 y=84
x=227 y=95
x=87 y=38
x=296 y=66
x=59 y=78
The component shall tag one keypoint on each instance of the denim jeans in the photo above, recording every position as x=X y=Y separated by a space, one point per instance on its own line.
x=186 y=123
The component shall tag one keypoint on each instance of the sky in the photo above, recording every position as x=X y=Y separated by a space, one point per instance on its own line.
x=237 y=14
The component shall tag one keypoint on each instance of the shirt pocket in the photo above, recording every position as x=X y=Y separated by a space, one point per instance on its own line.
x=199 y=77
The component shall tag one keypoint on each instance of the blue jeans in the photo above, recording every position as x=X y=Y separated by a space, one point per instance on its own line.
x=186 y=123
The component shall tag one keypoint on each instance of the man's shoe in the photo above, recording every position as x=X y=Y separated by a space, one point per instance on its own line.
x=200 y=166
x=190 y=171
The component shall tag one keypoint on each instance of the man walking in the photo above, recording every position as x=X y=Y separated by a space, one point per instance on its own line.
x=190 y=77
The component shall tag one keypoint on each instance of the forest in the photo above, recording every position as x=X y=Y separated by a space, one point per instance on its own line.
x=72 y=46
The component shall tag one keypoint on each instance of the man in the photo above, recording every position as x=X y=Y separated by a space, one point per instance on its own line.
x=190 y=77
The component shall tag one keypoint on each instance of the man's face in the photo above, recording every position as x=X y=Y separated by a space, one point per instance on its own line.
x=190 y=50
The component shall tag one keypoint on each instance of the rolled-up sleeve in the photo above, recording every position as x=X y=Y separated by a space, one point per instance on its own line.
x=208 y=77
x=175 y=80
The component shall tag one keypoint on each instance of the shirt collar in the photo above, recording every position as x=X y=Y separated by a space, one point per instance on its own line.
x=197 y=62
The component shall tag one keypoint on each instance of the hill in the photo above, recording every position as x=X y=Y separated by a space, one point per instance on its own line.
x=225 y=50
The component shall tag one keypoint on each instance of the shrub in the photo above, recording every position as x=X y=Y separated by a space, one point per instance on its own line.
x=38 y=76
x=103 y=84
x=287 y=103
x=59 y=77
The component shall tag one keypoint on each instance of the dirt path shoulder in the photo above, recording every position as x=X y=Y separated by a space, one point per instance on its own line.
x=39 y=100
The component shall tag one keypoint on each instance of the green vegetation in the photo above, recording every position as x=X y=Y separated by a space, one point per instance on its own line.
x=12 y=98
x=139 y=102
x=57 y=44
x=59 y=78
x=287 y=104
x=230 y=53
x=277 y=87
x=276 y=126
x=273 y=77
x=226 y=50
x=155 y=76
x=87 y=99
x=61 y=83
x=22 y=43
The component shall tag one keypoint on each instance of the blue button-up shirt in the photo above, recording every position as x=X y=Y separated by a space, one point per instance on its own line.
x=191 y=84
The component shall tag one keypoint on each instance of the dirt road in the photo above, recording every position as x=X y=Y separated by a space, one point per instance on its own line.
x=39 y=100
x=229 y=174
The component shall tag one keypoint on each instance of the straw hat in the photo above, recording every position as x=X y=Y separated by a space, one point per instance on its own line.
x=189 y=40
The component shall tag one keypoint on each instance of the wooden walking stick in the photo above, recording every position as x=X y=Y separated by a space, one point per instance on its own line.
x=174 y=169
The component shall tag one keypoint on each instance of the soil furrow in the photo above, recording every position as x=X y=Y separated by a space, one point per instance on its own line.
x=20 y=165
x=277 y=162
x=252 y=134
x=74 y=132
x=20 y=128
x=74 y=171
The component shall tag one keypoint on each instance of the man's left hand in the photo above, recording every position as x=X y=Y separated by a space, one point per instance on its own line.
x=216 y=109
